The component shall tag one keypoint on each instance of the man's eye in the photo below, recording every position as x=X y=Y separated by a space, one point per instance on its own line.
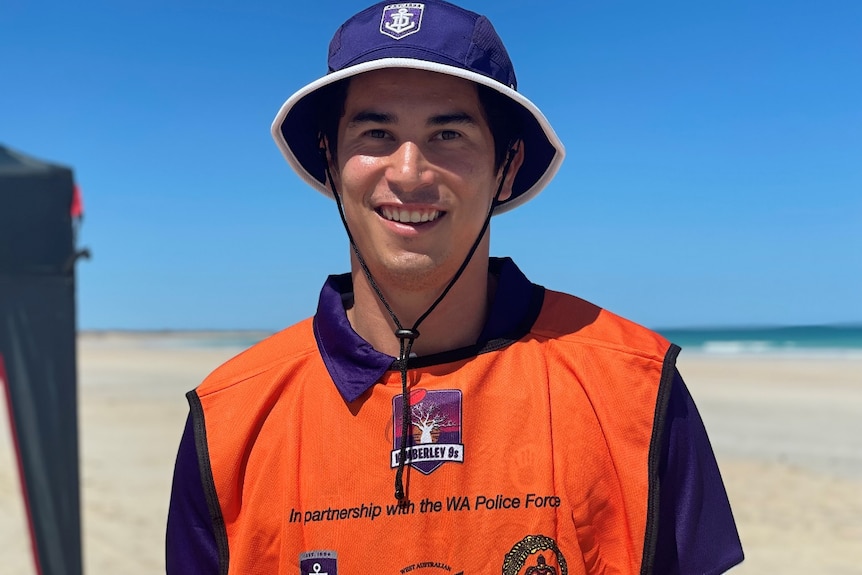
x=449 y=135
x=377 y=133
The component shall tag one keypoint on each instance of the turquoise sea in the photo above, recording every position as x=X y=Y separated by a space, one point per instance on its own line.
x=820 y=340
x=817 y=340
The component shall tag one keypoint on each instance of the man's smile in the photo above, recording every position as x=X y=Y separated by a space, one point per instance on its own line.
x=409 y=216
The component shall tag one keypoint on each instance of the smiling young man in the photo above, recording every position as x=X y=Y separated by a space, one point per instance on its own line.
x=440 y=413
x=416 y=171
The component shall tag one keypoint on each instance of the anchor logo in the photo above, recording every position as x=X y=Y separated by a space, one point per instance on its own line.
x=401 y=20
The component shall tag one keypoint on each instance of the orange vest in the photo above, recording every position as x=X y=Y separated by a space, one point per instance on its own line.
x=544 y=460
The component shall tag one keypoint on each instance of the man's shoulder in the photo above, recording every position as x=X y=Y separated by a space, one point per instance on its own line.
x=568 y=318
x=287 y=346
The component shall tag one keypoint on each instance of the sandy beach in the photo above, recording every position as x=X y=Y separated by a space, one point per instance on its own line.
x=787 y=431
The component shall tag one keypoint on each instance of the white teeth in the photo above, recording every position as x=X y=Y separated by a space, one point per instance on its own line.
x=405 y=216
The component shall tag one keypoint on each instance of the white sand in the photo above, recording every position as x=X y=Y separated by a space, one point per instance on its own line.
x=132 y=411
x=787 y=433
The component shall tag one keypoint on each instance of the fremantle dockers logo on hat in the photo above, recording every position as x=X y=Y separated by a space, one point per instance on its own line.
x=401 y=20
x=435 y=429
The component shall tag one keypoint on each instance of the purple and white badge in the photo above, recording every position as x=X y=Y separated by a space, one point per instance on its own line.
x=434 y=435
x=401 y=20
x=318 y=563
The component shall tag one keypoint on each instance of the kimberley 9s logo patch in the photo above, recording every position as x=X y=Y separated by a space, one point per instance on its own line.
x=434 y=435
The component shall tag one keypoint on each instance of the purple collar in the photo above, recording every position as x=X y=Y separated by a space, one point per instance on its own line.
x=355 y=366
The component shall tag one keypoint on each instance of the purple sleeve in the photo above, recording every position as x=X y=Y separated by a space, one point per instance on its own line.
x=190 y=544
x=696 y=531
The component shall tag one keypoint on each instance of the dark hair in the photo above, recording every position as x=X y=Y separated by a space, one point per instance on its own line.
x=502 y=114
x=504 y=120
x=330 y=109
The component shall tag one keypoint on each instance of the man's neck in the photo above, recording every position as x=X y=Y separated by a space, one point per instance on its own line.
x=456 y=322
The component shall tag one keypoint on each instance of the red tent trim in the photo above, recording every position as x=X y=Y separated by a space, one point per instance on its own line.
x=77 y=202
x=4 y=381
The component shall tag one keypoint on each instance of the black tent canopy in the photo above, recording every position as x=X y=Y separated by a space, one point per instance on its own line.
x=37 y=350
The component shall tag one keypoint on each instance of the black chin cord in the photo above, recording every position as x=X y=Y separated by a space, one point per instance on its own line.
x=406 y=336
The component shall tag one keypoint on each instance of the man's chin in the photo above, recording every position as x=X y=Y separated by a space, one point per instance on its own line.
x=415 y=273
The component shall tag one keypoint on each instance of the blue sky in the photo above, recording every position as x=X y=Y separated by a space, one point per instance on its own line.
x=713 y=172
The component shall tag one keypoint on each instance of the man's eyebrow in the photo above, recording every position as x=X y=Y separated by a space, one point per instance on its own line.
x=370 y=116
x=454 y=118
x=367 y=116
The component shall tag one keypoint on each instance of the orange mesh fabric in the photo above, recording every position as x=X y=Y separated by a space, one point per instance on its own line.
x=555 y=430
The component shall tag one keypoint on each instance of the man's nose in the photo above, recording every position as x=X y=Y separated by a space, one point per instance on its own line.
x=409 y=169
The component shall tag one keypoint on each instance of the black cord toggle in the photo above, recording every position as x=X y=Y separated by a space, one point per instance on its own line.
x=404 y=333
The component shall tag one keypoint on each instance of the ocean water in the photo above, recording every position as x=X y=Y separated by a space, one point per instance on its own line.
x=816 y=340
x=806 y=340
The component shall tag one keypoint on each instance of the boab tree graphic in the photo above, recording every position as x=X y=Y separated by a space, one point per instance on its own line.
x=428 y=419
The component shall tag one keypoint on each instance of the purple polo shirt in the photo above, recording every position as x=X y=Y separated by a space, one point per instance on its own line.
x=696 y=530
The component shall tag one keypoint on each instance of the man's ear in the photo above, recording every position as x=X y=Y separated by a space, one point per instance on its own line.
x=517 y=152
x=327 y=155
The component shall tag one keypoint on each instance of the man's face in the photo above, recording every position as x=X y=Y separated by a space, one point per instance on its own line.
x=415 y=169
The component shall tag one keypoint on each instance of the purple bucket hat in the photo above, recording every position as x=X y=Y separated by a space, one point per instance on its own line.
x=430 y=35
